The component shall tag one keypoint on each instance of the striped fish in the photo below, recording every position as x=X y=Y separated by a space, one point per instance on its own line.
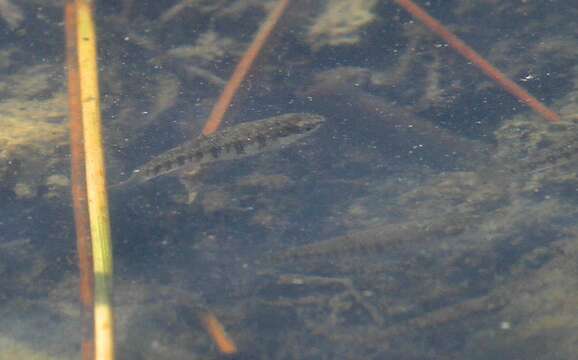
x=234 y=142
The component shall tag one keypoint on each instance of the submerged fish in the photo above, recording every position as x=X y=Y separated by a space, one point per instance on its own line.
x=246 y=139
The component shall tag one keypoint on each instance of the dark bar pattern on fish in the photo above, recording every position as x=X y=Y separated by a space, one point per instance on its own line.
x=234 y=142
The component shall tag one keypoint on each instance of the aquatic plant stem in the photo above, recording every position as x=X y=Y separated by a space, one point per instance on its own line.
x=217 y=333
x=470 y=54
x=243 y=68
x=78 y=179
x=212 y=325
x=95 y=181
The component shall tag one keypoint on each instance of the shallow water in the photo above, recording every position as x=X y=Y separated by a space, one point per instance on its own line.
x=432 y=215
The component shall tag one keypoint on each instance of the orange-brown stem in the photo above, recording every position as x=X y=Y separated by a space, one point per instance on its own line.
x=218 y=334
x=243 y=68
x=78 y=178
x=477 y=60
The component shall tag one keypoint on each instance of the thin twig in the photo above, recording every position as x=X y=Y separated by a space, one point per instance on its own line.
x=216 y=330
x=243 y=68
x=477 y=60
x=291 y=279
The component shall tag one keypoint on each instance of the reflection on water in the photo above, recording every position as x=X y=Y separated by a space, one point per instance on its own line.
x=431 y=216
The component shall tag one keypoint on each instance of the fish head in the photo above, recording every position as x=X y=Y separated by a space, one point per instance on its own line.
x=295 y=126
x=304 y=123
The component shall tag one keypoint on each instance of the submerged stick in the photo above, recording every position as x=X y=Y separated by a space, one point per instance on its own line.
x=95 y=180
x=78 y=180
x=463 y=49
x=217 y=332
x=243 y=68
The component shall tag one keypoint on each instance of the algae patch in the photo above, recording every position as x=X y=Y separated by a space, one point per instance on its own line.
x=35 y=132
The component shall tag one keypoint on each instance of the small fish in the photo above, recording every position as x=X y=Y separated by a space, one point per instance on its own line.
x=246 y=139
